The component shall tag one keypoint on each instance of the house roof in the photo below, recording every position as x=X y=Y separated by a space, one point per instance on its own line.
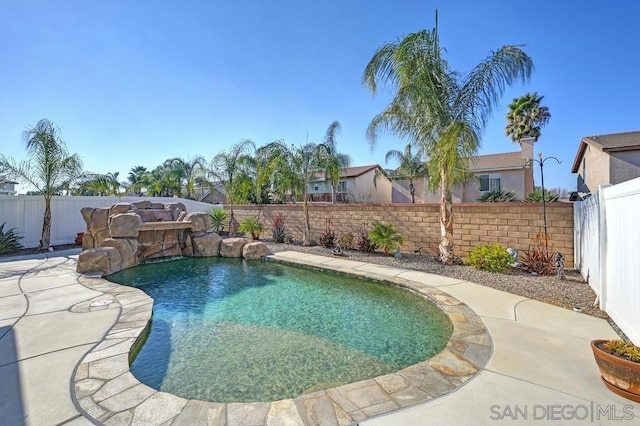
x=614 y=142
x=503 y=161
x=350 y=172
x=357 y=171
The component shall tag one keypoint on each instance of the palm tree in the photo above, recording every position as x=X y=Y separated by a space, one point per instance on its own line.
x=297 y=166
x=187 y=172
x=136 y=179
x=411 y=166
x=47 y=166
x=440 y=110
x=333 y=161
x=227 y=167
x=526 y=117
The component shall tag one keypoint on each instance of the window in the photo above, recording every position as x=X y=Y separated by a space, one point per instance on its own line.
x=489 y=183
x=315 y=188
x=342 y=186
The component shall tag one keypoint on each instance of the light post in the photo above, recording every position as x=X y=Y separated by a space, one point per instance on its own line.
x=541 y=161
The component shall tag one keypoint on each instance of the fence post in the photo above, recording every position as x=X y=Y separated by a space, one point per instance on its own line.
x=602 y=240
x=20 y=214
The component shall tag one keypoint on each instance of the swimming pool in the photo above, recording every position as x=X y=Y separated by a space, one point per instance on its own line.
x=231 y=330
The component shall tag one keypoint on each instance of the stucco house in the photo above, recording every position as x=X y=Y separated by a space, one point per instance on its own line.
x=356 y=185
x=607 y=159
x=7 y=187
x=510 y=171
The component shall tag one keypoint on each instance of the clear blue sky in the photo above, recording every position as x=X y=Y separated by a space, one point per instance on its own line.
x=136 y=82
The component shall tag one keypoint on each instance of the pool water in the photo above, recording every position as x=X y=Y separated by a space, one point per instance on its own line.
x=231 y=330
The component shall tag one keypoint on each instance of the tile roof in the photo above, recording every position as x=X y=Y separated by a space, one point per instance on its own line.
x=625 y=141
x=503 y=161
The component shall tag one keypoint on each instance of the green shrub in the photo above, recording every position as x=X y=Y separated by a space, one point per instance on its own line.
x=347 y=240
x=489 y=257
x=278 y=228
x=252 y=226
x=499 y=196
x=218 y=217
x=385 y=236
x=9 y=240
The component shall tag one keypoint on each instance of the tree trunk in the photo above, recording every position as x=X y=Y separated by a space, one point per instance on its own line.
x=446 y=221
x=46 y=225
x=412 y=190
x=333 y=194
x=232 y=230
x=306 y=228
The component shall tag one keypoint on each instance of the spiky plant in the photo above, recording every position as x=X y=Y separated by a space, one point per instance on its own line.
x=385 y=236
x=499 y=196
x=9 y=240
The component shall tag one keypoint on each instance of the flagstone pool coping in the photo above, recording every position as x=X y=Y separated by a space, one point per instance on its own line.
x=105 y=391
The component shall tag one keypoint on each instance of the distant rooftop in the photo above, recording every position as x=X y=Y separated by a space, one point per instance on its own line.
x=614 y=142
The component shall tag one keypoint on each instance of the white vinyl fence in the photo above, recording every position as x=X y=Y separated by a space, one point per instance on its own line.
x=26 y=213
x=616 y=237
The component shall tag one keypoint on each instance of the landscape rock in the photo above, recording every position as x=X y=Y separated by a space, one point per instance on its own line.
x=144 y=204
x=207 y=245
x=106 y=260
x=124 y=225
x=176 y=209
x=155 y=215
x=200 y=222
x=255 y=250
x=128 y=249
x=87 y=241
x=118 y=208
x=232 y=247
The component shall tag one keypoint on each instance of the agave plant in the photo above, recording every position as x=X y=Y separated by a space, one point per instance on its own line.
x=499 y=196
x=218 y=217
x=536 y=196
x=385 y=236
x=9 y=240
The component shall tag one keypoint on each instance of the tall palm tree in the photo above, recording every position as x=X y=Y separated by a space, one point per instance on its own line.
x=136 y=178
x=440 y=110
x=227 y=167
x=526 y=117
x=411 y=166
x=188 y=172
x=47 y=166
x=333 y=161
x=297 y=166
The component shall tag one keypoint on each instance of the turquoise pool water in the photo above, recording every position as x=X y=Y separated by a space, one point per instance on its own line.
x=231 y=330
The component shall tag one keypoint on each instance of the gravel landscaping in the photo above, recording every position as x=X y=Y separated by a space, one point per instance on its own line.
x=569 y=293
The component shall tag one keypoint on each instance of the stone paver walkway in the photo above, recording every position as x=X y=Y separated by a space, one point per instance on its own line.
x=65 y=339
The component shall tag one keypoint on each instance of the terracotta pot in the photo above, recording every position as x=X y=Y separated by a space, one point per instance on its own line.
x=620 y=375
x=79 y=238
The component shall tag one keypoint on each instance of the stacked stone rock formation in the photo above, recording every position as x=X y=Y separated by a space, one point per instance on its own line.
x=126 y=234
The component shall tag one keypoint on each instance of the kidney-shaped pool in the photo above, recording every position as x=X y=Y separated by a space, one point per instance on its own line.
x=231 y=330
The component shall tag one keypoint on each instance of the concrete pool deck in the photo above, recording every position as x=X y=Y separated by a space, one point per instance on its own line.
x=541 y=370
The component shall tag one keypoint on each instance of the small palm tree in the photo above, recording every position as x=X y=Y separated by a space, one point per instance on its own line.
x=136 y=179
x=526 y=117
x=47 y=167
x=499 y=196
x=227 y=167
x=411 y=166
x=385 y=236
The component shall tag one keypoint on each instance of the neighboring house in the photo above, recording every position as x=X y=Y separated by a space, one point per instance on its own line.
x=8 y=187
x=607 y=159
x=214 y=195
x=363 y=184
x=510 y=171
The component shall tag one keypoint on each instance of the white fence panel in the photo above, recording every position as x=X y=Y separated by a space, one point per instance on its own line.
x=621 y=289
x=26 y=213
x=586 y=247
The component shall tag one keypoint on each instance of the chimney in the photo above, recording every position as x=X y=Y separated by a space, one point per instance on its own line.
x=526 y=144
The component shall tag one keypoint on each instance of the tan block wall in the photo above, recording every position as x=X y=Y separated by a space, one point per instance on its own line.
x=510 y=224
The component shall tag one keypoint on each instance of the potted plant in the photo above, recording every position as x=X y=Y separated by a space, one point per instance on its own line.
x=619 y=364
